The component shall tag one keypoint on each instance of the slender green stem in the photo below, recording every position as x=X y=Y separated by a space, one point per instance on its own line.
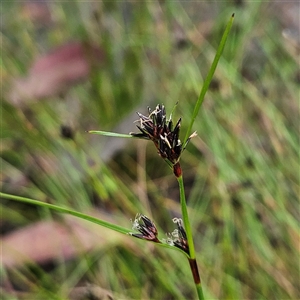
x=188 y=229
x=185 y=217
x=178 y=171
x=209 y=77
x=199 y=291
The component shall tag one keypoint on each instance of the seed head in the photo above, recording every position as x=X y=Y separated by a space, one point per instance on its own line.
x=178 y=237
x=146 y=228
x=160 y=131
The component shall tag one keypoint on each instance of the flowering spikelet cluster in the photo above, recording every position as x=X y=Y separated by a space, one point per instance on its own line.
x=148 y=231
x=178 y=237
x=160 y=131
x=146 y=228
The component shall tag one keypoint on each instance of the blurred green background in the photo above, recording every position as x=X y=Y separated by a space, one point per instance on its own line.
x=69 y=67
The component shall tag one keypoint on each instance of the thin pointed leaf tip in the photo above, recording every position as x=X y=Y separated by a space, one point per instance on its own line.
x=157 y=128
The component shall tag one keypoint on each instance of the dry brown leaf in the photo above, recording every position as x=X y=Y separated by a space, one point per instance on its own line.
x=44 y=241
x=90 y=292
x=55 y=72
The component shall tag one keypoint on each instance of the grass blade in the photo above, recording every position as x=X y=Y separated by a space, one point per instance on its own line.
x=66 y=211
x=113 y=134
x=209 y=77
x=100 y=222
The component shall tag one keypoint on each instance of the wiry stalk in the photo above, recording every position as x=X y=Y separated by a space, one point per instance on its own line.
x=188 y=229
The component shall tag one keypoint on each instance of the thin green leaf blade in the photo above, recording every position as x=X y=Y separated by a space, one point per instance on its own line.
x=209 y=77
x=112 y=134
x=83 y=216
x=66 y=211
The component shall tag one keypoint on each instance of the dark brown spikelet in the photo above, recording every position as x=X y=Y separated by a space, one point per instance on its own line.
x=146 y=228
x=160 y=131
x=178 y=237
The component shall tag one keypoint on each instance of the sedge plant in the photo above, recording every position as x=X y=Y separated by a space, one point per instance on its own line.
x=159 y=129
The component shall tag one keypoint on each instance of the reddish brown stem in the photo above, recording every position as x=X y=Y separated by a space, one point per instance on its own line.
x=195 y=271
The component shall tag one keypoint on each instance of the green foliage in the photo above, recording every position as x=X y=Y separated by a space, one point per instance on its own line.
x=241 y=172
